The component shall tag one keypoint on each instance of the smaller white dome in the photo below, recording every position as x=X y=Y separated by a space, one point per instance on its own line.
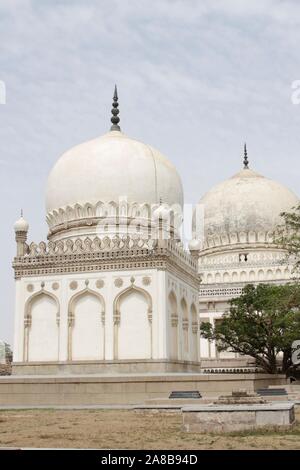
x=245 y=208
x=195 y=245
x=21 y=225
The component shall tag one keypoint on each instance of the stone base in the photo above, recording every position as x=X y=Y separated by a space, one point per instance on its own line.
x=122 y=389
x=230 y=418
x=135 y=366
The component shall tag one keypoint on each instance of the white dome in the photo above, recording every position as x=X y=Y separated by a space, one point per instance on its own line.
x=91 y=179
x=110 y=167
x=21 y=225
x=245 y=208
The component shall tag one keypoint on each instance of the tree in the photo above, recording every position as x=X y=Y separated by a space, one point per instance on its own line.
x=261 y=323
x=289 y=236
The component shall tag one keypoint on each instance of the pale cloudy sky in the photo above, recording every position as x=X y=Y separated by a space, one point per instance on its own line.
x=195 y=79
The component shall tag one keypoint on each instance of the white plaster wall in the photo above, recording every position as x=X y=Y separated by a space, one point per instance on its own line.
x=43 y=332
x=134 y=331
x=185 y=297
x=88 y=331
x=157 y=283
x=60 y=287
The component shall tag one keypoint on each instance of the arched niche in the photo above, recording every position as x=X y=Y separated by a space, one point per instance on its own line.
x=194 y=355
x=173 y=322
x=133 y=324
x=260 y=275
x=185 y=328
x=86 y=326
x=41 y=328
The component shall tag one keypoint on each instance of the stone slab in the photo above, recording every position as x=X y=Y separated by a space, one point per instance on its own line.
x=231 y=418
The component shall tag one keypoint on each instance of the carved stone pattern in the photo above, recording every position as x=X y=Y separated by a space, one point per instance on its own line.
x=30 y=288
x=27 y=321
x=73 y=285
x=185 y=324
x=221 y=292
x=118 y=282
x=160 y=258
x=111 y=244
x=195 y=327
x=99 y=283
x=146 y=280
x=93 y=213
x=240 y=238
x=55 y=286
x=174 y=319
x=117 y=318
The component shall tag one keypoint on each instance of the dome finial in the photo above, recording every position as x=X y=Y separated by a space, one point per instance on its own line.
x=115 y=111
x=246 y=161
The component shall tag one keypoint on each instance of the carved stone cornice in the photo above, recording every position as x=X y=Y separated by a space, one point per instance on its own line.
x=88 y=256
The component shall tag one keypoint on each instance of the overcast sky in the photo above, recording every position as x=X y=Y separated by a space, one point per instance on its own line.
x=195 y=79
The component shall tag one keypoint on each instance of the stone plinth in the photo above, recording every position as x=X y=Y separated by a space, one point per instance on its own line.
x=96 y=389
x=231 y=418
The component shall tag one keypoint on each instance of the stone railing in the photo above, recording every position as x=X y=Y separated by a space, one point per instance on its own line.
x=135 y=251
x=88 y=245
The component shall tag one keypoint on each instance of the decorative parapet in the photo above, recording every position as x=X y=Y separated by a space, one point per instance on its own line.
x=220 y=292
x=104 y=254
x=88 y=245
x=222 y=240
x=243 y=259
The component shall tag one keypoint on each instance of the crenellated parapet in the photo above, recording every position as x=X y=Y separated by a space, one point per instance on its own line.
x=216 y=242
x=112 y=216
x=88 y=245
x=109 y=253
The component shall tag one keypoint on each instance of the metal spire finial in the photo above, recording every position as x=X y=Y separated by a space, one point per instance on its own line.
x=115 y=111
x=21 y=212
x=246 y=161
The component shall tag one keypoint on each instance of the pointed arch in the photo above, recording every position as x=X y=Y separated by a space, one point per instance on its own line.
x=132 y=315
x=89 y=317
x=194 y=354
x=185 y=328
x=41 y=327
x=124 y=292
x=173 y=319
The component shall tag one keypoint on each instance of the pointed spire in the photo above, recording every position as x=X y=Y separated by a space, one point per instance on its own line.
x=21 y=212
x=246 y=161
x=115 y=111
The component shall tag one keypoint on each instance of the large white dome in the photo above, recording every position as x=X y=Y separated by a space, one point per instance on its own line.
x=245 y=208
x=102 y=171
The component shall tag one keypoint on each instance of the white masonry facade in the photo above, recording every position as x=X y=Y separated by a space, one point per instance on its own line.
x=113 y=287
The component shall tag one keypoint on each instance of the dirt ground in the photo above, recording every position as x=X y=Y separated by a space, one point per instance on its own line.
x=115 y=429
